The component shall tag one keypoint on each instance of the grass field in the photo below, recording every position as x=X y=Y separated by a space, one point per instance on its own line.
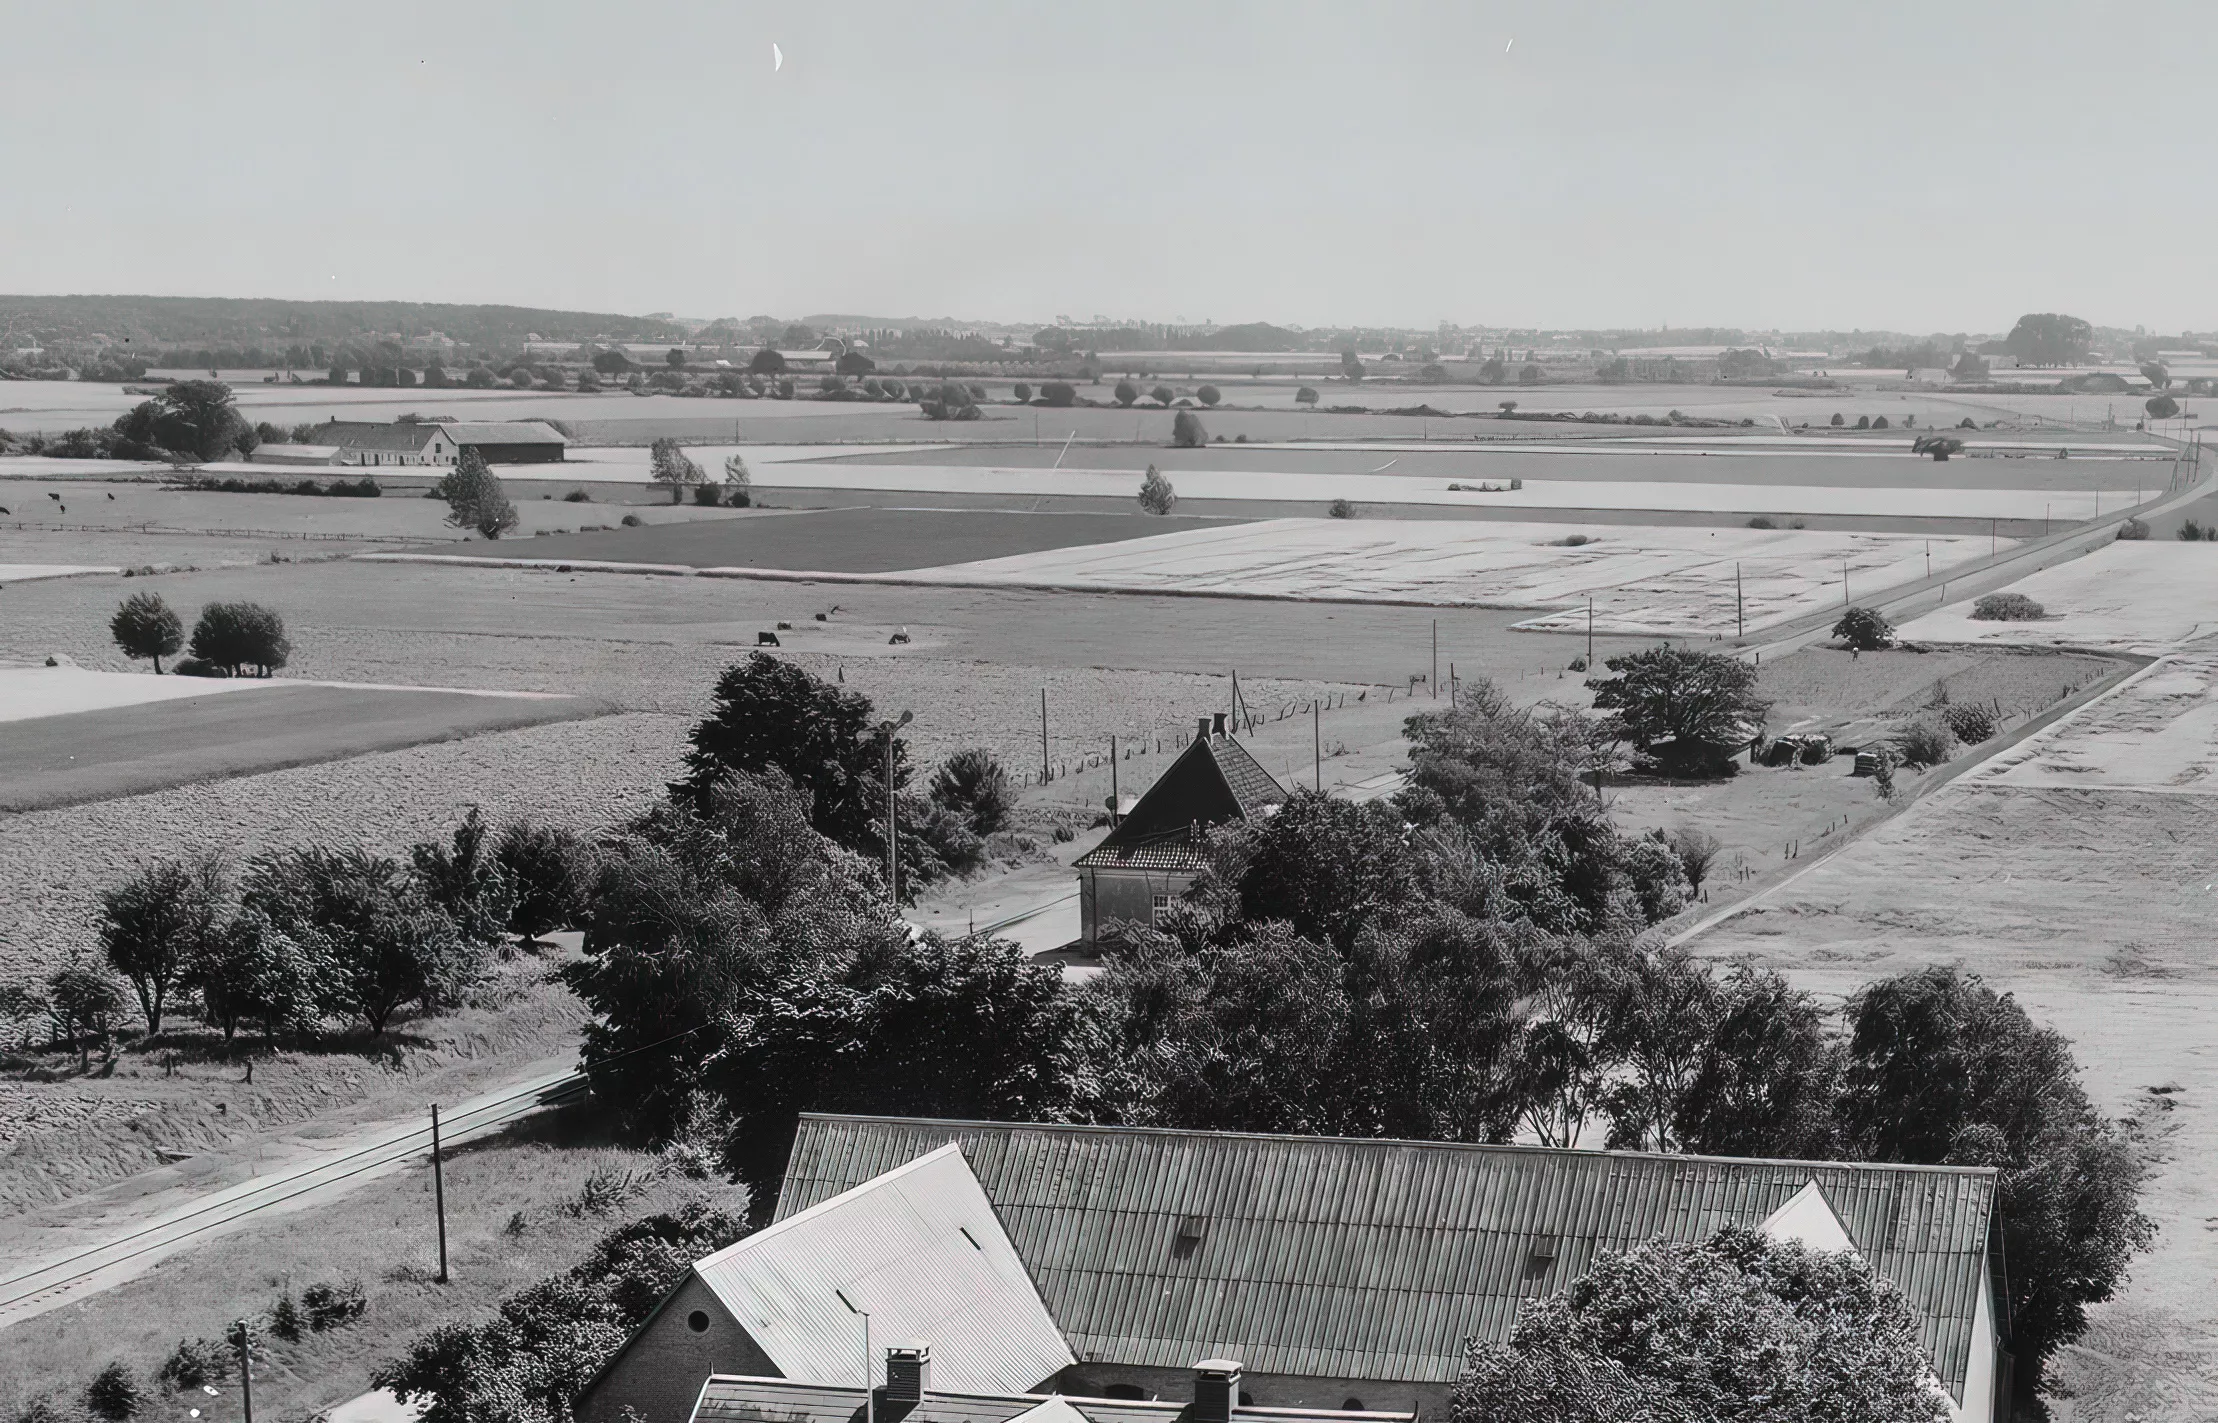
x=127 y=506
x=2147 y=594
x=854 y=540
x=1703 y=457
x=84 y=756
x=513 y=1216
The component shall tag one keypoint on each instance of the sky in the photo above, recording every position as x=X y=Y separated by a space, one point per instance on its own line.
x=1879 y=166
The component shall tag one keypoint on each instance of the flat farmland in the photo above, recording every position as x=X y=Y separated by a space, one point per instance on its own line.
x=1670 y=581
x=1701 y=459
x=126 y=506
x=866 y=540
x=122 y=751
x=1668 y=486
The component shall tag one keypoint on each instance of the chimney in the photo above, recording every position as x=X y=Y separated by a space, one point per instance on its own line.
x=1220 y=727
x=1201 y=728
x=908 y=1373
x=1216 y=1390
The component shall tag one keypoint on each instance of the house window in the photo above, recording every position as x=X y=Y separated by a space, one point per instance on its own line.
x=1162 y=905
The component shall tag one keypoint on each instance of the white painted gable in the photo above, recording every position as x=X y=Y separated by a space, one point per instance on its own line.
x=1053 y=1409
x=1807 y=1219
x=921 y=1252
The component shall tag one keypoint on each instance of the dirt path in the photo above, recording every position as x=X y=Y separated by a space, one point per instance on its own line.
x=112 y=1236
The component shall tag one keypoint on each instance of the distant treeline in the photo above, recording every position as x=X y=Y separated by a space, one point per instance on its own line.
x=216 y=325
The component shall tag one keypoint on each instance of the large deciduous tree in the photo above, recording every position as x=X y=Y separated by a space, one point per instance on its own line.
x=2048 y=339
x=1941 y=1068
x=1736 y=1329
x=1687 y=710
x=769 y=714
x=237 y=636
x=154 y=923
x=146 y=626
x=670 y=466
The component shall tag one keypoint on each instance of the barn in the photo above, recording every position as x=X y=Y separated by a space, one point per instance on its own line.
x=406 y=442
x=508 y=441
x=1323 y=1273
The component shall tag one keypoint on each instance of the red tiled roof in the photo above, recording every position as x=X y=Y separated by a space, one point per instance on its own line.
x=1213 y=781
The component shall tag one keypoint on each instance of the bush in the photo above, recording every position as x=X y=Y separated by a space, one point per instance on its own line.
x=1864 y=629
x=1162 y=395
x=1969 y=722
x=1306 y=396
x=236 y=636
x=1186 y=431
x=2008 y=608
x=331 y=1305
x=195 y=1362
x=577 y=496
x=1208 y=395
x=707 y=495
x=1156 y=494
x=286 y=1320
x=630 y=521
x=972 y=784
x=1924 y=742
x=1126 y=392
x=2190 y=531
x=114 y=1394
x=2133 y=529
x=1880 y=423
x=1760 y=522
x=144 y=626
x=1341 y=509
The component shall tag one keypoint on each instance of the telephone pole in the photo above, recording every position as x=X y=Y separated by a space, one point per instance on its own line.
x=438 y=1194
x=1740 y=614
x=1432 y=679
x=246 y=1368
x=1317 y=740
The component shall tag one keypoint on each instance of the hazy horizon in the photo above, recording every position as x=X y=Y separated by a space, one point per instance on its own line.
x=1884 y=168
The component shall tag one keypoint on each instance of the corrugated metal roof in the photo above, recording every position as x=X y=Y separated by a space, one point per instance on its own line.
x=920 y=1250
x=730 y=1398
x=1378 y=1259
x=502 y=432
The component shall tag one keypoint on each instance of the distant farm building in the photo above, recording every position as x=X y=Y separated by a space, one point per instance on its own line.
x=364 y=442
x=1153 y=855
x=1117 y=1263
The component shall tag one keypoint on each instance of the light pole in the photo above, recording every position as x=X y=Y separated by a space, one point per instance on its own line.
x=893 y=845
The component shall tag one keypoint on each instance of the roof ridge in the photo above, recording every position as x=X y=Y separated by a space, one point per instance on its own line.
x=1507 y=1148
